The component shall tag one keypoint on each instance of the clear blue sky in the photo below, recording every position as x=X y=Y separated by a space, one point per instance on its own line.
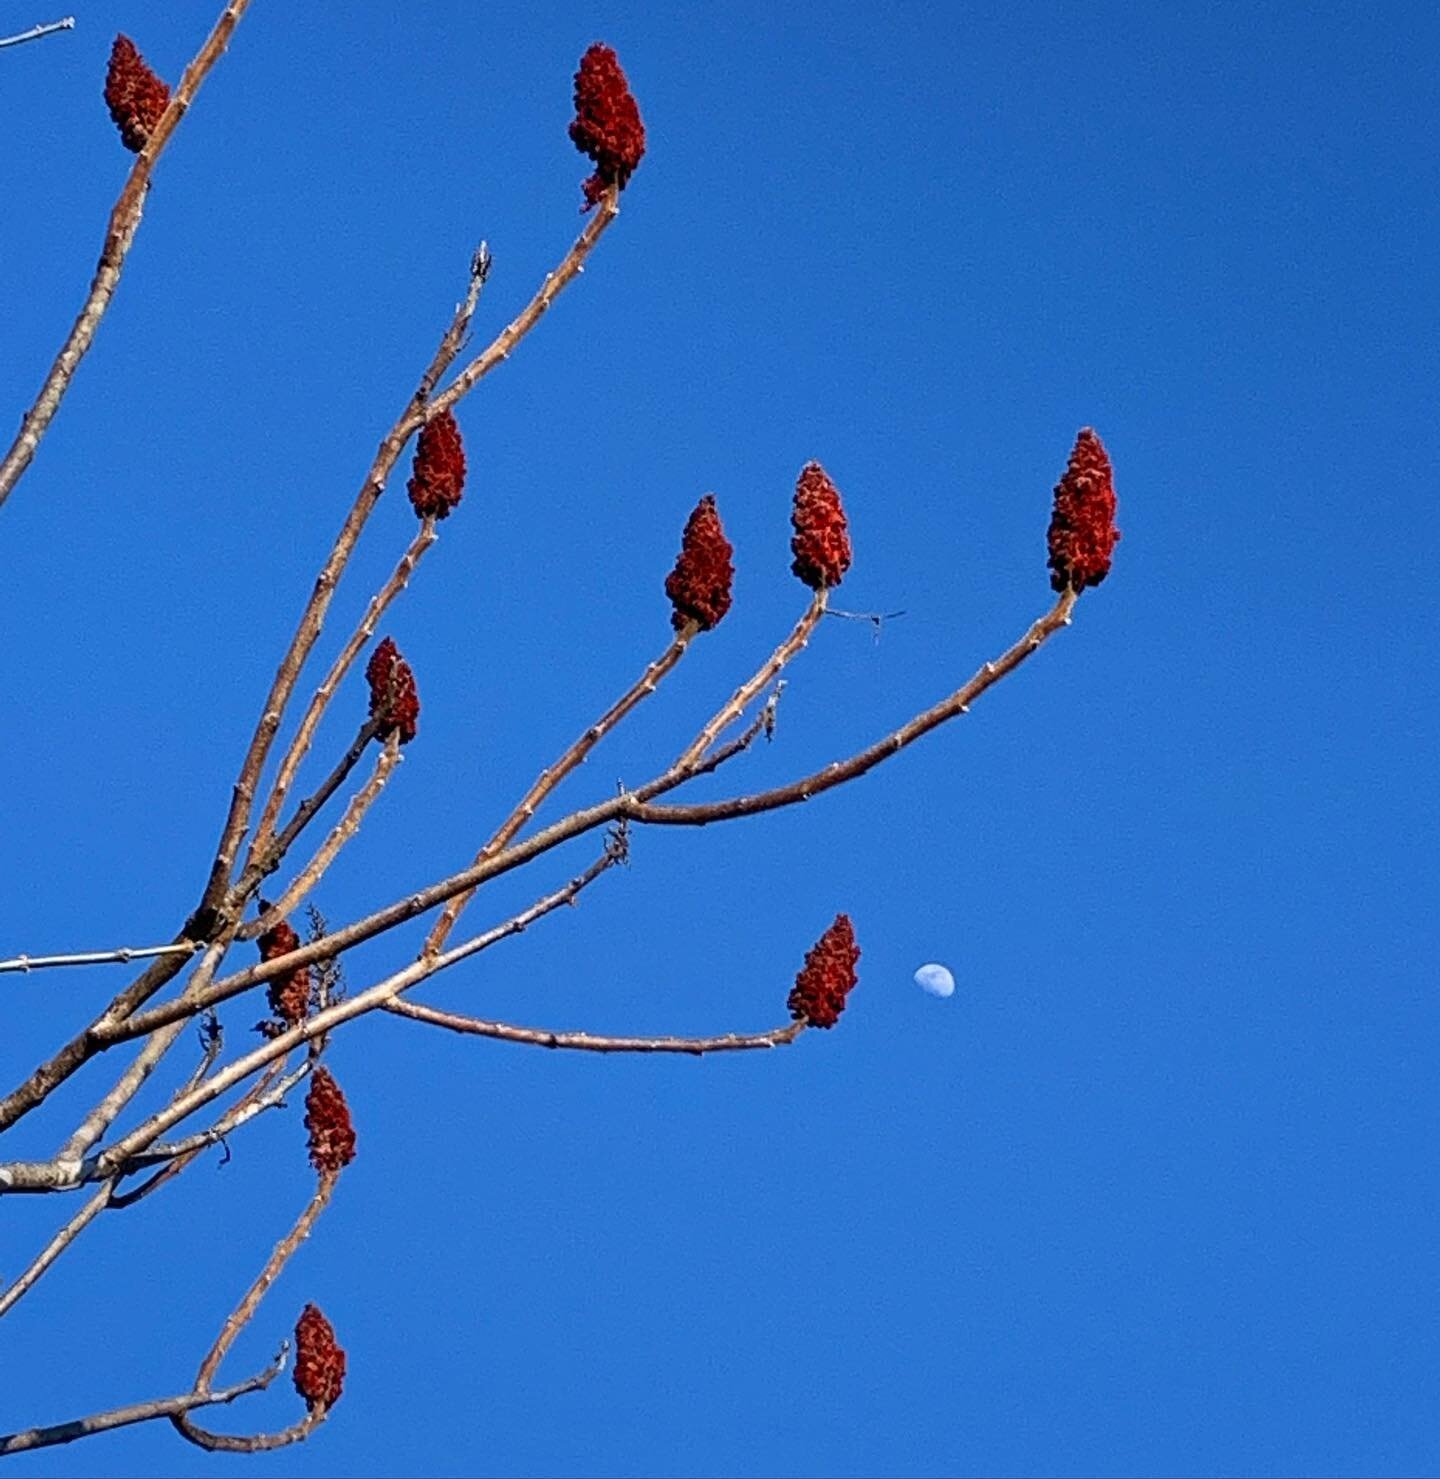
x=1156 y=1191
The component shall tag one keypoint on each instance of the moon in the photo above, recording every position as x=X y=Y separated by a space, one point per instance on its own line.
x=936 y=980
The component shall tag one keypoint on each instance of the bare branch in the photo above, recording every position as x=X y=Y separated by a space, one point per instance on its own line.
x=550 y=778
x=139 y=1412
x=841 y=771
x=422 y=408
x=122 y=956
x=320 y=701
x=239 y=1318
x=49 y=28
x=541 y=1037
x=56 y=1246
x=326 y=853
x=119 y=234
x=741 y=699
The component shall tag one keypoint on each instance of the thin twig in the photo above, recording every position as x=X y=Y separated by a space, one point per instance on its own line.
x=742 y=697
x=239 y=1318
x=841 y=771
x=541 y=1037
x=550 y=778
x=21 y=1176
x=56 y=1246
x=630 y=804
x=422 y=408
x=269 y=1092
x=36 y=32
x=119 y=234
x=139 y=1412
x=326 y=853
x=103 y=1115
x=319 y=702
x=123 y=956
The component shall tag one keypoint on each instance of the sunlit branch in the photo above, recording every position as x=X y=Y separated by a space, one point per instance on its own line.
x=541 y=1037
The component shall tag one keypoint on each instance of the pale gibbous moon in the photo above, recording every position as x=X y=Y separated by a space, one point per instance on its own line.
x=935 y=979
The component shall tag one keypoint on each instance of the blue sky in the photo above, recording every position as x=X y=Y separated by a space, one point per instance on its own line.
x=1155 y=1190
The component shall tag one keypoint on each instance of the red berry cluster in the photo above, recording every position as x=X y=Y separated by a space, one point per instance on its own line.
x=327 y=1118
x=827 y=977
x=135 y=96
x=607 y=123
x=1083 y=535
x=288 y=994
x=821 y=545
x=319 y=1361
x=394 y=703
x=699 y=585
x=438 y=478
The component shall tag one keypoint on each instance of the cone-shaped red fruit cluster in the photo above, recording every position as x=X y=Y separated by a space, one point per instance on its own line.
x=821 y=545
x=289 y=994
x=699 y=585
x=135 y=96
x=1083 y=535
x=827 y=977
x=438 y=476
x=319 y=1361
x=607 y=123
x=394 y=703
x=327 y=1118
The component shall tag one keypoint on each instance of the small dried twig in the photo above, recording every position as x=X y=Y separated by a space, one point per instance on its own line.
x=632 y=804
x=27 y=1280
x=26 y=1176
x=326 y=853
x=139 y=1412
x=122 y=956
x=550 y=778
x=741 y=699
x=119 y=234
x=320 y=701
x=877 y=619
x=541 y=1037
x=49 y=28
x=422 y=408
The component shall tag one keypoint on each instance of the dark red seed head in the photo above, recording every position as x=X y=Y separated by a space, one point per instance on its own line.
x=699 y=585
x=327 y=1118
x=438 y=476
x=319 y=1361
x=827 y=977
x=394 y=702
x=821 y=545
x=135 y=96
x=1083 y=535
x=607 y=123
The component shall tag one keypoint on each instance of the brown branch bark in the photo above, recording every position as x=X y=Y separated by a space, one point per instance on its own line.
x=631 y=804
x=299 y=746
x=119 y=234
x=139 y=1412
x=552 y=776
x=589 y=1042
x=343 y=831
x=743 y=696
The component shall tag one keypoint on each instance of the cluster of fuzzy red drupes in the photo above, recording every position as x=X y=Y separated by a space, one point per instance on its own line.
x=135 y=96
x=607 y=123
x=827 y=977
x=1083 y=535
x=327 y=1118
x=438 y=478
x=319 y=1361
x=289 y=994
x=821 y=544
x=699 y=585
x=394 y=702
